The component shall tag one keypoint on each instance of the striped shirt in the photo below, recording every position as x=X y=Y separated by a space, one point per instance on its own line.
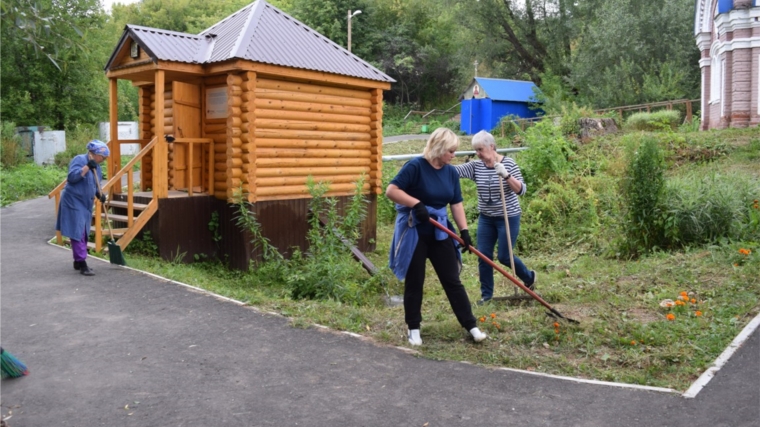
x=487 y=183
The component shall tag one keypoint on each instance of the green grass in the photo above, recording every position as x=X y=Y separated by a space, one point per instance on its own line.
x=623 y=334
x=27 y=181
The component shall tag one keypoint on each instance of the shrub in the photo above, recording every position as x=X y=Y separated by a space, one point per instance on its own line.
x=560 y=211
x=13 y=154
x=547 y=155
x=705 y=208
x=76 y=144
x=643 y=184
x=28 y=180
x=386 y=209
x=327 y=270
x=657 y=121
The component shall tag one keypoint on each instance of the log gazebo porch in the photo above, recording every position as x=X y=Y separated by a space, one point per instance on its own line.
x=257 y=103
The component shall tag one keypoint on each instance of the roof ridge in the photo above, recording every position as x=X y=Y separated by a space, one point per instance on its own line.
x=241 y=44
x=228 y=17
x=162 y=31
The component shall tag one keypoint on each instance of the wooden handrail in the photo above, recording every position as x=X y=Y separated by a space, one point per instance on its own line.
x=133 y=226
x=129 y=165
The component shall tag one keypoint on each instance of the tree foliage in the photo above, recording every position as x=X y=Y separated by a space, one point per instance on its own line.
x=594 y=53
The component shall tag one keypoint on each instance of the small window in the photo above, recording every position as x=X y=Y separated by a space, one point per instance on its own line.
x=134 y=49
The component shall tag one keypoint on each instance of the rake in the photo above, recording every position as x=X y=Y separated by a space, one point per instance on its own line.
x=552 y=312
x=517 y=296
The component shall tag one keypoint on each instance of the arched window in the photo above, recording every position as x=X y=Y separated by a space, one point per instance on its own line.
x=716 y=79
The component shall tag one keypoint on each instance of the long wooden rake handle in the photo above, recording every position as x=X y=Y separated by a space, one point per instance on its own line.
x=502 y=271
x=105 y=209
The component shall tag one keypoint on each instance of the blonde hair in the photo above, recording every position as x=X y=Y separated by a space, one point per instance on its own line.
x=483 y=139
x=441 y=141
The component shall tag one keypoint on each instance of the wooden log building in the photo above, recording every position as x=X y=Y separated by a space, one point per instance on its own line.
x=258 y=102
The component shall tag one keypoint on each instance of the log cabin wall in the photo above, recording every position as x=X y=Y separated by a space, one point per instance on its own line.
x=216 y=129
x=145 y=115
x=235 y=125
x=307 y=129
x=169 y=130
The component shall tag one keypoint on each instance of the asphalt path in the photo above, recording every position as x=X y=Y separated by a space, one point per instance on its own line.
x=124 y=348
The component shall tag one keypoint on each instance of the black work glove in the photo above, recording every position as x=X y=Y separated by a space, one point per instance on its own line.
x=465 y=235
x=421 y=213
x=102 y=198
x=92 y=164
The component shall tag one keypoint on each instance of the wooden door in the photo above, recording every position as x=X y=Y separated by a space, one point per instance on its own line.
x=187 y=124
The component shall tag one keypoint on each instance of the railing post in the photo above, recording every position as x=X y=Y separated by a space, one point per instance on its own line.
x=113 y=122
x=130 y=198
x=160 y=150
x=98 y=228
x=688 y=111
x=190 y=169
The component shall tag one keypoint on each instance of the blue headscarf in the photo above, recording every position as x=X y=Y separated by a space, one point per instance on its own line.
x=98 y=147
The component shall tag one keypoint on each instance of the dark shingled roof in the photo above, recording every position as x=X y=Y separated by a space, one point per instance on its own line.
x=258 y=32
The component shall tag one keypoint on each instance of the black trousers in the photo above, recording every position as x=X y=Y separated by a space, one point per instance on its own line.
x=442 y=254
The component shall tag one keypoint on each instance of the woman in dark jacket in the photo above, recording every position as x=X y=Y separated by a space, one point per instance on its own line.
x=75 y=209
x=422 y=189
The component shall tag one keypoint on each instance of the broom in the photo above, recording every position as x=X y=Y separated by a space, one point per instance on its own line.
x=10 y=366
x=114 y=250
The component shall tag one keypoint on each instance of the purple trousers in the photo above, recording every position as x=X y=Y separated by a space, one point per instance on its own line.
x=79 y=247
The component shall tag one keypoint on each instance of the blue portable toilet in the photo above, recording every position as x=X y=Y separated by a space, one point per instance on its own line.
x=486 y=101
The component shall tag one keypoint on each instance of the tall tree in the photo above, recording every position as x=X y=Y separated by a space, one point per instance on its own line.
x=48 y=74
x=520 y=38
x=633 y=52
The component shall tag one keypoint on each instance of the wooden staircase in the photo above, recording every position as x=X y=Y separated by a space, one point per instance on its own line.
x=137 y=214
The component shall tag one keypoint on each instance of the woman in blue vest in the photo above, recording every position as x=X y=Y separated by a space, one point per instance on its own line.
x=75 y=210
x=421 y=190
x=491 y=171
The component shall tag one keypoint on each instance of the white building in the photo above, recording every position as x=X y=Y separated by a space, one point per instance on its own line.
x=728 y=36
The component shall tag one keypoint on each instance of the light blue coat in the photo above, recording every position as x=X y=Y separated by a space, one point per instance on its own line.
x=75 y=210
x=405 y=237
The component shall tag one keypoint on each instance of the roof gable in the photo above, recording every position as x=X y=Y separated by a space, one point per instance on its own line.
x=258 y=32
x=504 y=89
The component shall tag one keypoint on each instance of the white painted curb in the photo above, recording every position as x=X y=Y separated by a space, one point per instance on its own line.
x=692 y=392
x=705 y=378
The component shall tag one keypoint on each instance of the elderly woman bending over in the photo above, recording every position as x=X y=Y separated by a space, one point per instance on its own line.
x=421 y=190
x=489 y=172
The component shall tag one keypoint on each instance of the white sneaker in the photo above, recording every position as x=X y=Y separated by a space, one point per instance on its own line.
x=414 y=337
x=477 y=335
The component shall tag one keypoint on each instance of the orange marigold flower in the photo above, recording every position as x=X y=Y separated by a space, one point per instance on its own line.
x=745 y=252
x=556 y=324
x=736 y=265
x=671 y=316
x=633 y=342
x=493 y=315
x=679 y=302
x=684 y=294
x=482 y=319
x=698 y=313
x=693 y=301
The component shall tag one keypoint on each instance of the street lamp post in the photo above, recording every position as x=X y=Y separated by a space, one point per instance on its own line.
x=351 y=15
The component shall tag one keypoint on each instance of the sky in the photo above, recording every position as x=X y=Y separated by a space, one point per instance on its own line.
x=107 y=3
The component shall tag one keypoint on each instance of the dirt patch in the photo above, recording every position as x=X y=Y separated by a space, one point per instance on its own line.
x=643 y=316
